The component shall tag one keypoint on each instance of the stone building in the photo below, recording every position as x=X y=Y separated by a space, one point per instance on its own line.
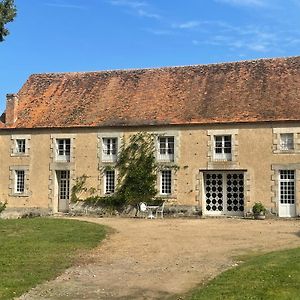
x=232 y=128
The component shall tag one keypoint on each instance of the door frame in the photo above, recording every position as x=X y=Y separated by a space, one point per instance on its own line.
x=288 y=207
x=224 y=172
x=57 y=190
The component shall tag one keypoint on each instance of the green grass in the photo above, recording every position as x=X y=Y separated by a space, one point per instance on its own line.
x=271 y=276
x=36 y=250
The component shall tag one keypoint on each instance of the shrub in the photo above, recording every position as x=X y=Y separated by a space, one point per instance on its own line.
x=258 y=208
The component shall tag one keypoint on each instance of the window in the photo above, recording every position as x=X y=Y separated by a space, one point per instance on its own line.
x=19 y=181
x=20 y=146
x=109 y=181
x=286 y=141
x=64 y=184
x=109 y=149
x=166 y=148
x=63 y=148
x=287 y=186
x=166 y=182
x=222 y=147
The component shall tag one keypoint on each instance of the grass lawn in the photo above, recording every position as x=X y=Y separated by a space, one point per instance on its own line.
x=271 y=276
x=35 y=250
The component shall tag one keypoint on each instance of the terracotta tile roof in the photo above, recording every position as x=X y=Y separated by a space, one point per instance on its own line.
x=248 y=91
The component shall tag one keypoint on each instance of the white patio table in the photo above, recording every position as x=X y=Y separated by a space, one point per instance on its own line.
x=151 y=208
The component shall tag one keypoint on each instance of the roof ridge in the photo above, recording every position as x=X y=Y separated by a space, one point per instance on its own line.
x=167 y=67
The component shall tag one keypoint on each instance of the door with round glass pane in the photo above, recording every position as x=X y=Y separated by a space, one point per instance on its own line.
x=224 y=193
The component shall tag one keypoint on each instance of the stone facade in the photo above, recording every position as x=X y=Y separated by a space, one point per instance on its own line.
x=255 y=154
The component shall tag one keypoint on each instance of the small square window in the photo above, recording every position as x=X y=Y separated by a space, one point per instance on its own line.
x=63 y=149
x=109 y=149
x=20 y=146
x=166 y=148
x=222 y=147
x=286 y=141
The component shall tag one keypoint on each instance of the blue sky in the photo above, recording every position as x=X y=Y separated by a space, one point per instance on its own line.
x=90 y=35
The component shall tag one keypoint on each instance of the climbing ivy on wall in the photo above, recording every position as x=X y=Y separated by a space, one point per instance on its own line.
x=137 y=175
x=137 y=169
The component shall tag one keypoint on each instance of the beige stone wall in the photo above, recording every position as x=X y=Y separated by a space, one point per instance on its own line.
x=253 y=152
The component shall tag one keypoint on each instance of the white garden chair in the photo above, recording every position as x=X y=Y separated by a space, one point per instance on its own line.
x=160 y=210
x=143 y=208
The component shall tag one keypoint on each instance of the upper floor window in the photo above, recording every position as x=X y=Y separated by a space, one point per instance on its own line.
x=166 y=148
x=63 y=149
x=21 y=146
x=286 y=141
x=109 y=149
x=19 y=181
x=222 y=147
x=109 y=183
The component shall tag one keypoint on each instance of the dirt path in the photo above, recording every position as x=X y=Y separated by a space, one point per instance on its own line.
x=153 y=259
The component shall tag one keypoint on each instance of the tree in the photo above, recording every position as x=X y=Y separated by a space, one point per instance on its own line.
x=8 y=12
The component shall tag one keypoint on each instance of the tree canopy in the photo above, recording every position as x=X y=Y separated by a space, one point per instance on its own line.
x=8 y=12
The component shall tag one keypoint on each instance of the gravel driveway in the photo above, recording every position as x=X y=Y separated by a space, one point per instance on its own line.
x=154 y=259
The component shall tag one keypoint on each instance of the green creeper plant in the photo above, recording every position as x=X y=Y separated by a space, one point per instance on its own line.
x=137 y=169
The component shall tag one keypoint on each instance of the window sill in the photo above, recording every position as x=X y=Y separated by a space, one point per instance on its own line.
x=286 y=151
x=19 y=154
x=20 y=195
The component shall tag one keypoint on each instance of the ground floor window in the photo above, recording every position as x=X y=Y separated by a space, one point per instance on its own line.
x=19 y=181
x=110 y=181
x=166 y=182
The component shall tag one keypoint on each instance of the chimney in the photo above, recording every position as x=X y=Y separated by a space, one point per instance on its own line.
x=11 y=113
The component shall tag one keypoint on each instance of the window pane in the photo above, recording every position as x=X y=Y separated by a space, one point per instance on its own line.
x=286 y=141
x=20 y=181
x=166 y=182
x=109 y=181
x=162 y=145
x=21 y=145
x=287 y=186
x=109 y=146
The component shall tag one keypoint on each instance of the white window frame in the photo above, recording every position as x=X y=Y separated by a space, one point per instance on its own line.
x=284 y=195
x=66 y=153
x=109 y=149
x=223 y=155
x=19 y=181
x=167 y=153
x=286 y=141
x=64 y=185
x=20 y=146
x=163 y=183
x=20 y=177
x=109 y=182
x=15 y=146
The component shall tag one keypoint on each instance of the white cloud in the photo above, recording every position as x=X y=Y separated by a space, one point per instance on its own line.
x=187 y=25
x=144 y=13
x=128 y=3
x=244 y=2
x=65 y=5
x=140 y=8
x=159 y=31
